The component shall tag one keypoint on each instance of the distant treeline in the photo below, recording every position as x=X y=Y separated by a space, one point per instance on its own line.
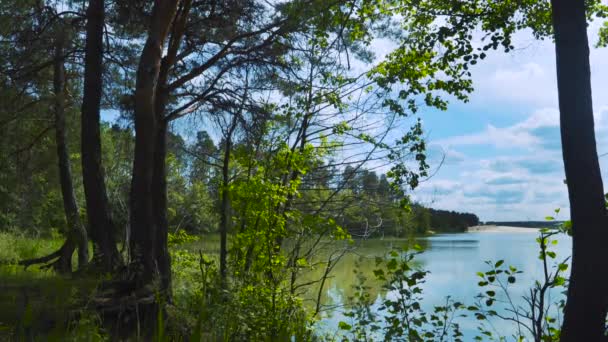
x=451 y=221
x=525 y=224
x=370 y=207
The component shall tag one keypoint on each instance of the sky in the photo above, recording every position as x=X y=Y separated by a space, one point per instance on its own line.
x=499 y=155
x=502 y=149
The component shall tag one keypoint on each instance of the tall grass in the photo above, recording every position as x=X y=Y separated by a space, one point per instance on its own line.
x=37 y=304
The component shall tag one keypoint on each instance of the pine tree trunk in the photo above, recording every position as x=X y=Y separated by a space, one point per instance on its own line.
x=76 y=236
x=226 y=215
x=148 y=187
x=585 y=312
x=159 y=190
x=101 y=226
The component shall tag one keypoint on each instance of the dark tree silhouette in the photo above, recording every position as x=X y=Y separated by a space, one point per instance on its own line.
x=76 y=237
x=586 y=307
x=101 y=226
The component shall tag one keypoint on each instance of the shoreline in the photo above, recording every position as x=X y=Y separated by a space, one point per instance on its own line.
x=501 y=229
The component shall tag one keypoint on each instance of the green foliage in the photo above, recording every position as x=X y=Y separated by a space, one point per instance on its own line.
x=181 y=237
x=400 y=315
x=451 y=221
x=373 y=208
x=540 y=319
x=282 y=198
x=241 y=310
x=190 y=205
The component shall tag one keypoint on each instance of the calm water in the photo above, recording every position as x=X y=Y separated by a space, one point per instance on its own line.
x=453 y=260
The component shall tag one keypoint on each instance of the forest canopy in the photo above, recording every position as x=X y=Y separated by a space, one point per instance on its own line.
x=248 y=144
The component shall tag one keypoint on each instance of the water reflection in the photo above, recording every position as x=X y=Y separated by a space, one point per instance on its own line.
x=452 y=259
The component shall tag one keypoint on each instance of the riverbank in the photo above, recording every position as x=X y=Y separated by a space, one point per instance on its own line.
x=500 y=229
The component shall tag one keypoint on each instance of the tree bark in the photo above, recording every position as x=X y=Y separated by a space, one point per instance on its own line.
x=76 y=236
x=148 y=199
x=101 y=225
x=226 y=216
x=587 y=304
x=159 y=190
x=159 y=177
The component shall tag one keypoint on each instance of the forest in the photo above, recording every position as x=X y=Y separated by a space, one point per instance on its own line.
x=187 y=170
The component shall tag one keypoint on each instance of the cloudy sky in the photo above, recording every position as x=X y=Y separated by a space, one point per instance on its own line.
x=502 y=149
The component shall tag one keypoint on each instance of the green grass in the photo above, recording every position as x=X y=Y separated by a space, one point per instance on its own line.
x=41 y=304
x=14 y=247
x=36 y=304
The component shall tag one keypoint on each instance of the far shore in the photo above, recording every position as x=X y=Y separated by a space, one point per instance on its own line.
x=501 y=229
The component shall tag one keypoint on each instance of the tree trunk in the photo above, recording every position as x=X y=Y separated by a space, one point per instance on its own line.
x=159 y=177
x=101 y=226
x=76 y=236
x=159 y=191
x=586 y=307
x=76 y=233
x=225 y=219
x=148 y=237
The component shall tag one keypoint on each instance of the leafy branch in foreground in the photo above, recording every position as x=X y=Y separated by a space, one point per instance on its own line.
x=539 y=316
x=400 y=315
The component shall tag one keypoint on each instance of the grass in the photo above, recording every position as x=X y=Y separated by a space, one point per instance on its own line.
x=40 y=304
x=15 y=247
x=37 y=303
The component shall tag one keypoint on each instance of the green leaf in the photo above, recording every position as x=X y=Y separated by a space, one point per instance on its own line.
x=499 y=263
x=511 y=279
x=379 y=273
x=344 y=326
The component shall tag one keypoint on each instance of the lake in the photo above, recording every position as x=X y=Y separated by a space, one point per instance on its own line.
x=453 y=261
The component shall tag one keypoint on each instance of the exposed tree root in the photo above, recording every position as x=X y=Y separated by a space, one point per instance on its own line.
x=60 y=260
x=128 y=309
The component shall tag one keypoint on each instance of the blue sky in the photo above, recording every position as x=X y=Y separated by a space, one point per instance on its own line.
x=502 y=149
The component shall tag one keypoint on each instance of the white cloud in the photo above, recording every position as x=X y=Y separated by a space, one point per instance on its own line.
x=546 y=117
x=503 y=186
x=508 y=194
x=498 y=137
x=519 y=135
x=509 y=167
x=525 y=77
x=529 y=83
x=527 y=71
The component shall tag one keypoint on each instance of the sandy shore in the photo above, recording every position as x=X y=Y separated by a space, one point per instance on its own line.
x=501 y=229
